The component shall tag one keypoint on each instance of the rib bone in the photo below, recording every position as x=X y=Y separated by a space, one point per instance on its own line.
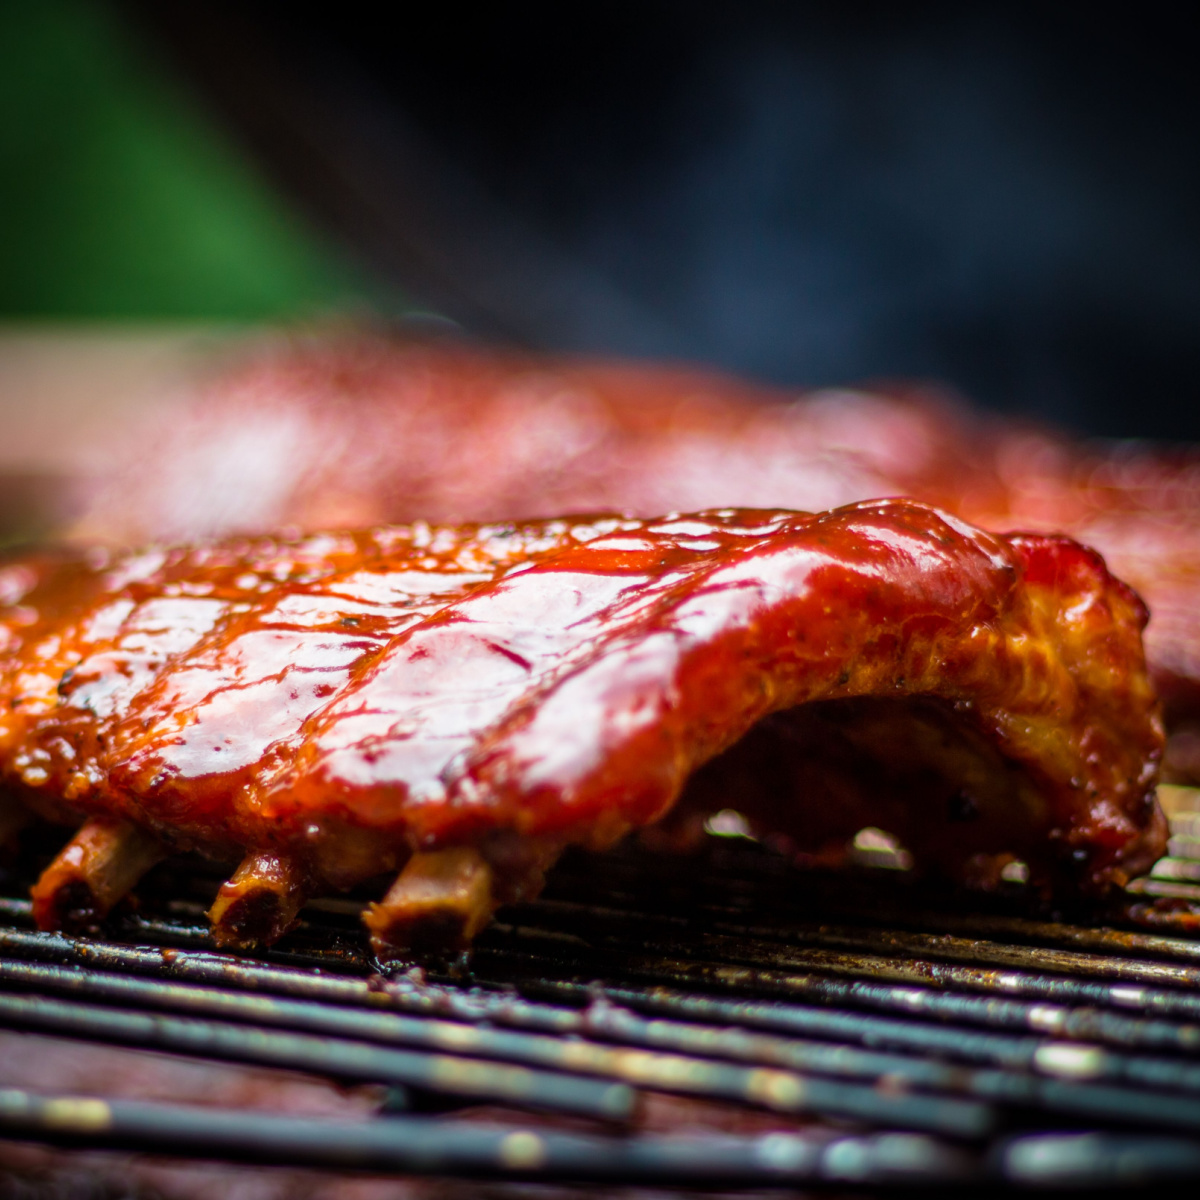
x=95 y=869
x=259 y=902
x=441 y=899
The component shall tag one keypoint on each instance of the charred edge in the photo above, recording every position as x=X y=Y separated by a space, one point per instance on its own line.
x=97 y=868
x=260 y=901
x=440 y=901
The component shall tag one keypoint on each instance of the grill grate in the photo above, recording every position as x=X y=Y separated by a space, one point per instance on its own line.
x=913 y=1040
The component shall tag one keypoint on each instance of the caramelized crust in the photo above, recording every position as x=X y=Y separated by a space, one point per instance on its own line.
x=471 y=699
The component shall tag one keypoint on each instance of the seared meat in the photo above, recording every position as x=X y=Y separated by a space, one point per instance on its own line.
x=460 y=703
x=367 y=431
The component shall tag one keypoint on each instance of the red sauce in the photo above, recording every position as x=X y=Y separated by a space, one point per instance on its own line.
x=345 y=698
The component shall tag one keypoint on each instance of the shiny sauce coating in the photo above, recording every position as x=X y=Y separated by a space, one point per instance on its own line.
x=349 y=698
x=361 y=430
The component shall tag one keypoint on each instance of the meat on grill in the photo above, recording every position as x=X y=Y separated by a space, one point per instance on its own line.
x=363 y=432
x=459 y=703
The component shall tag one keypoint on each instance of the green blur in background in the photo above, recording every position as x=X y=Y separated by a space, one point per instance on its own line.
x=120 y=199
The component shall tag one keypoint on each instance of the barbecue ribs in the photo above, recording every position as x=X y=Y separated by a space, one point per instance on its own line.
x=459 y=703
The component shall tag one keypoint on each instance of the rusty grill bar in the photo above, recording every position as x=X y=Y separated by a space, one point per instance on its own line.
x=926 y=1043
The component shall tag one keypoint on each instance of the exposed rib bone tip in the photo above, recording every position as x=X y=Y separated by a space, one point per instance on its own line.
x=441 y=900
x=96 y=868
x=259 y=902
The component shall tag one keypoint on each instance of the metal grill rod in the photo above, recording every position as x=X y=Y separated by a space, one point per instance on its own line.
x=1023 y=1053
x=1103 y=940
x=1056 y=1020
x=673 y=1072
x=780 y=1090
x=1016 y=1052
x=751 y=961
x=415 y=1146
x=420 y=1146
x=450 y=1075
x=980 y=952
x=820 y=946
x=1080 y=1068
x=502 y=1007
x=576 y=916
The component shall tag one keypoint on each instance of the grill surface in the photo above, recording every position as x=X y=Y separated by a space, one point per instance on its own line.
x=889 y=1034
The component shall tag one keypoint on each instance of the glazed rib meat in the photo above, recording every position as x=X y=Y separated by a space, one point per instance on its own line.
x=458 y=703
x=366 y=431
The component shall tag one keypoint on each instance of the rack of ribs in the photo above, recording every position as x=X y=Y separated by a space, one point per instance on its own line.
x=454 y=705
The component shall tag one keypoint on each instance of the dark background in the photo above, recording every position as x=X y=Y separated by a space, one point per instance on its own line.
x=1002 y=198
